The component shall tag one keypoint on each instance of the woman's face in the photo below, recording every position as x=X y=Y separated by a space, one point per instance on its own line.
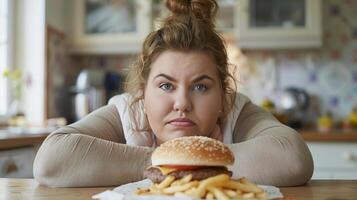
x=183 y=95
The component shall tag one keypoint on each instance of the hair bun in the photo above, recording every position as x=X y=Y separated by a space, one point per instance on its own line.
x=205 y=10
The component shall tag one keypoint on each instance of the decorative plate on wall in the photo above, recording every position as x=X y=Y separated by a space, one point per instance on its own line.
x=335 y=78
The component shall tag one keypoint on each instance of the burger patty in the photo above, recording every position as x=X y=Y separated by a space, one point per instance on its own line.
x=155 y=175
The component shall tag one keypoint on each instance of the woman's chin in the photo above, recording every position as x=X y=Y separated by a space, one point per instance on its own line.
x=180 y=133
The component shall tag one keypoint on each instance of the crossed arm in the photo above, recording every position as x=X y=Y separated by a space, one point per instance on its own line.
x=268 y=152
x=92 y=152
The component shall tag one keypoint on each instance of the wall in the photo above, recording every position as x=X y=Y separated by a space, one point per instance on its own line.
x=329 y=73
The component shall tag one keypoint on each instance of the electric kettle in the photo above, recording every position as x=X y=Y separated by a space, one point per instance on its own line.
x=294 y=103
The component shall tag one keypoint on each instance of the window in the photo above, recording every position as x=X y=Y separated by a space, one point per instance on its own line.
x=5 y=46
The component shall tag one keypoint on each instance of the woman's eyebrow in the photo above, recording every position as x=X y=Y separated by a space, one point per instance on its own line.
x=203 y=77
x=165 y=76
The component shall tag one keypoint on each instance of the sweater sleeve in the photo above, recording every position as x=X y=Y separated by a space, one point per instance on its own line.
x=90 y=152
x=268 y=152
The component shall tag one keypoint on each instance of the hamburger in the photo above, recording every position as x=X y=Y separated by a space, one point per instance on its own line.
x=202 y=157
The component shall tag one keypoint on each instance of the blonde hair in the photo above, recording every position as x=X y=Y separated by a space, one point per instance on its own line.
x=190 y=27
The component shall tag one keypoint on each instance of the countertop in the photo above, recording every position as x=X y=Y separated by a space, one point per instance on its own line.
x=19 y=137
x=331 y=136
x=13 y=138
x=30 y=189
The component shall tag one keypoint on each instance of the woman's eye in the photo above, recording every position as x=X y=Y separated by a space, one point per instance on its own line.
x=166 y=86
x=200 y=88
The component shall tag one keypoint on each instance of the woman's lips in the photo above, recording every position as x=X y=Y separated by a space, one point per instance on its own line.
x=183 y=122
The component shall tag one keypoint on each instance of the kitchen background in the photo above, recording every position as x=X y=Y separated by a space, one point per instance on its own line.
x=304 y=70
x=328 y=73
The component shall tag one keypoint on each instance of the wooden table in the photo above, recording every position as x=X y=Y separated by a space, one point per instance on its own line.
x=29 y=189
x=21 y=189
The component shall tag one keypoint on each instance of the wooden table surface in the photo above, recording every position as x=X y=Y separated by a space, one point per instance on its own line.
x=29 y=189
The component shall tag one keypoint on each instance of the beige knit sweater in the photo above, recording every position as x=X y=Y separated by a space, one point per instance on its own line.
x=94 y=151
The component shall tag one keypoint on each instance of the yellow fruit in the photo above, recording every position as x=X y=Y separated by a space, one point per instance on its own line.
x=352 y=118
x=325 y=121
x=268 y=105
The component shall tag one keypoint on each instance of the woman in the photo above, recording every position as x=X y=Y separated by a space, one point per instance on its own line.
x=179 y=86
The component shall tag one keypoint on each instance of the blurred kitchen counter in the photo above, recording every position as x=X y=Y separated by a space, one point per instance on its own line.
x=330 y=136
x=18 y=148
x=14 y=138
x=20 y=137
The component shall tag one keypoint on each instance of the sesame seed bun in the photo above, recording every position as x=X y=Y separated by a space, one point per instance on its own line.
x=192 y=151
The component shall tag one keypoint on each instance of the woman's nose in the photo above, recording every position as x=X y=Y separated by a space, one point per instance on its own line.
x=182 y=102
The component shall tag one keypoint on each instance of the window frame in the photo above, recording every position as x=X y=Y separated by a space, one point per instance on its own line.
x=9 y=57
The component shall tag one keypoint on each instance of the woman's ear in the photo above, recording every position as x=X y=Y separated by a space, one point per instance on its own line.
x=221 y=110
x=222 y=106
x=220 y=113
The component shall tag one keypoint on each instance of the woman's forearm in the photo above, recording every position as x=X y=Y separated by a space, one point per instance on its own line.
x=77 y=160
x=278 y=156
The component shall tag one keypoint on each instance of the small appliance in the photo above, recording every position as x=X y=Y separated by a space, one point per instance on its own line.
x=93 y=89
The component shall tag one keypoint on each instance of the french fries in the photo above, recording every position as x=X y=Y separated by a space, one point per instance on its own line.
x=219 y=187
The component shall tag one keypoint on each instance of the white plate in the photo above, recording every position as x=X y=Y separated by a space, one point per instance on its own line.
x=335 y=79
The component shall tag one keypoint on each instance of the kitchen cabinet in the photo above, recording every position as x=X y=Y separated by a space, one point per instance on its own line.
x=265 y=24
x=112 y=28
x=225 y=21
x=334 y=160
x=271 y=24
x=227 y=17
x=17 y=163
x=105 y=27
x=18 y=148
x=159 y=13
